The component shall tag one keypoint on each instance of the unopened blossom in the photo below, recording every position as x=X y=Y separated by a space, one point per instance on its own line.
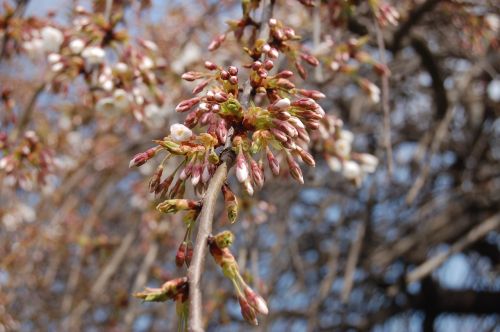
x=180 y=133
x=52 y=39
x=93 y=55
x=53 y=58
x=351 y=170
x=121 y=98
x=371 y=89
x=368 y=162
x=34 y=48
x=76 y=46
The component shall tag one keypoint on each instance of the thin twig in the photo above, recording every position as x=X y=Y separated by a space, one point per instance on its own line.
x=204 y=229
x=385 y=100
x=352 y=261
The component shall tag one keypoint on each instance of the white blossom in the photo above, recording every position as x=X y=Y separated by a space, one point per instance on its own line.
x=52 y=39
x=121 y=67
x=34 y=48
x=179 y=132
x=343 y=147
x=122 y=99
x=53 y=57
x=76 y=46
x=93 y=55
x=351 y=170
x=368 y=162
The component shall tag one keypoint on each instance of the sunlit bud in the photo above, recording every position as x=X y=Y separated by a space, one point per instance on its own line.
x=314 y=94
x=196 y=174
x=216 y=108
x=191 y=76
x=186 y=105
x=294 y=168
x=175 y=205
x=284 y=74
x=335 y=65
x=233 y=79
x=306 y=103
x=200 y=87
x=273 y=162
x=53 y=57
x=303 y=135
x=231 y=203
x=278 y=34
x=154 y=182
x=351 y=170
x=121 y=67
x=210 y=95
x=189 y=253
x=256 y=301
x=285 y=84
x=296 y=122
x=93 y=55
x=241 y=167
x=224 y=239
x=215 y=44
x=279 y=135
x=210 y=65
x=368 y=162
x=248 y=187
x=268 y=64
x=286 y=127
x=192 y=119
x=57 y=67
x=281 y=104
x=247 y=311
x=232 y=70
x=266 y=48
x=262 y=73
x=257 y=174
x=221 y=131
x=272 y=22
x=180 y=133
x=205 y=175
x=289 y=32
x=273 y=53
x=165 y=185
x=343 y=148
x=180 y=256
x=220 y=96
x=346 y=135
x=306 y=157
x=224 y=75
x=203 y=106
x=141 y=158
x=283 y=115
x=256 y=65
x=371 y=89
x=310 y=59
x=301 y=70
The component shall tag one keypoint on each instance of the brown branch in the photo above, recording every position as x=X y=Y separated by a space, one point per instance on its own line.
x=204 y=230
x=352 y=261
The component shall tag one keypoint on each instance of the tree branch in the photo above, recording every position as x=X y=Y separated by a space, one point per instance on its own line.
x=204 y=230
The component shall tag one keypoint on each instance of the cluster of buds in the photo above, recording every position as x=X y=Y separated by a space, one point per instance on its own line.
x=26 y=164
x=131 y=83
x=250 y=302
x=335 y=143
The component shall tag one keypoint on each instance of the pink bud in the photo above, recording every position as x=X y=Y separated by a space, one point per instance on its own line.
x=285 y=74
x=247 y=311
x=257 y=174
x=273 y=162
x=295 y=170
x=186 y=105
x=200 y=86
x=281 y=104
x=268 y=64
x=241 y=168
x=191 y=76
x=256 y=301
x=314 y=94
x=210 y=65
x=273 y=53
x=233 y=79
x=141 y=158
x=233 y=70
x=256 y=65
x=310 y=59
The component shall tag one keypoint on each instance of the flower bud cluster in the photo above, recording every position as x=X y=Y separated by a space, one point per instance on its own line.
x=176 y=289
x=335 y=143
x=250 y=302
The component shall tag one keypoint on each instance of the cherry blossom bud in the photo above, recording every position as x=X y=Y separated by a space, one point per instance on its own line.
x=196 y=174
x=191 y=76
x=310 y=59
x=273 y=162
x=180 y=256
x=268 y=64
x=273 y=53
x=233 y=79
x=189 y=253
x=273 y=22
x=93 y=55
x=247 y=311
x=205 y=175
x=210 y=65
x=256 y=301
x=186 y=105
x=233 y=71
x=231 y=203
x=200 y=87
x=284 y=74
x=295 y=170
x=266 y=48
x=175 y=205
x=368 y=162
x=351 y=170
x=301 y=70
x=306 y=157
x=262 y=73
x=256 y=65
x=314 y=94
x=141 y=158
x=215 y=44
x=220 y=96
x=154 y=182
x=241 y=167
x=224 y=75
x=248 y=187
x=257 y=174
x=280 y=104
x=279 y=135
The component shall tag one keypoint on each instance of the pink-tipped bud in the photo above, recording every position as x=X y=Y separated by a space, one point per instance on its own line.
x=141 y=158
x=289 y=32
x=233 y=79
x=273 y=53
x=273 y=22
x=186 y=105
x=284 y=74
x=295 y=170
x=191 y=76
x=180 y=256
x=221 y=131
x=215 y=44
x=220 y=97
x=268 y=64
x=262 y=73
x=310 y=59
x=256 y=301
x=306 y=103
x=279 y=135
x=280 y=104
x=200 y=87
x=257 y=174
x=210 y=65
x=314 y=94
x=224 y=75
x=306 y=157
x=266 y=48
x=256 y=65
x=273 y=162
x=196 y=174
x=301 y=70
x=241 y=168
x=247 y=311
x=233 y=71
